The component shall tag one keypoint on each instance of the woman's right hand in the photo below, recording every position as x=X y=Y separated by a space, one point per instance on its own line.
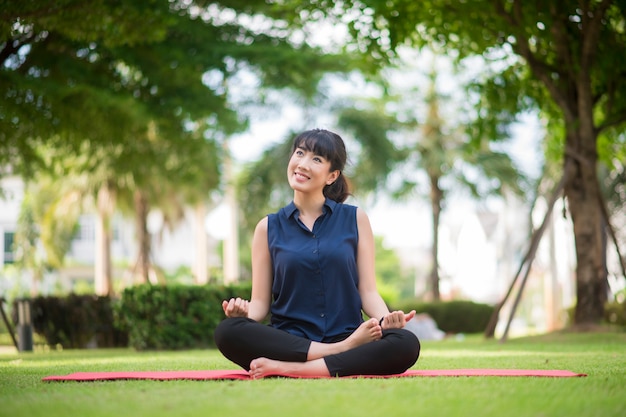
x=235 y=307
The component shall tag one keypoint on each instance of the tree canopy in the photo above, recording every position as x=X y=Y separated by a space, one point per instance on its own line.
x=99 y=71
x=137 y=95
x=567 y=60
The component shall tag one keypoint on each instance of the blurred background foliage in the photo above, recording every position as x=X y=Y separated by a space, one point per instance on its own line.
x=126 y=107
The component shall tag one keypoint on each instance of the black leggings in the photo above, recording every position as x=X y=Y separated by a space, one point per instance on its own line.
x=242 y=340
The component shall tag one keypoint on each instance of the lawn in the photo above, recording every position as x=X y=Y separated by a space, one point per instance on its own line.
x=600 y=355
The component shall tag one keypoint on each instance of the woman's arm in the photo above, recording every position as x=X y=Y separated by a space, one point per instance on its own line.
x=373 y=303
x=259 y=305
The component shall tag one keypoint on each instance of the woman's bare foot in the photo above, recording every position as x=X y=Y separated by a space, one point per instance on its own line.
x=262 y=367
x=368 y=331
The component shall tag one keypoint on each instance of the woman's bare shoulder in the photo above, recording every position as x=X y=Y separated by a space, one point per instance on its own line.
x=261 y=226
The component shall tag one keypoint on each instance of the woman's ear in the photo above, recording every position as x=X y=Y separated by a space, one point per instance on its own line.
x=332 y=177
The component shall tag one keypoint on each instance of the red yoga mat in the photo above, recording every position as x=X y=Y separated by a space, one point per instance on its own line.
x=241 y=374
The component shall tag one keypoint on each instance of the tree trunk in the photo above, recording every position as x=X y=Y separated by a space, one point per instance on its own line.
x=551 y=283
x=524 y=266
x=582 y=192
x=142 y=265
x=201 y=262
x=102 y=264
x=573 y=93
x=436 y=195
x=37 y=279
x=231 y=242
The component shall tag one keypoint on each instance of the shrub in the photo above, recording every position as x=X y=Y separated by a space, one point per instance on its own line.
x=173 y=316
x=453 y=316
x=74 y=321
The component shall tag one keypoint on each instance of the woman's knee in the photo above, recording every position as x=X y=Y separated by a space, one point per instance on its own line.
x=413 y=345
x=227 y=330
x=412 y=341
x=407 y=346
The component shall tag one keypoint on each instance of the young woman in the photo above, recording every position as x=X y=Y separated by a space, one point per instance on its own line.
x=313 y=272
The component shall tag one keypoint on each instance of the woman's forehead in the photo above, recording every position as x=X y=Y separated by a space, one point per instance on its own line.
x=318 y=146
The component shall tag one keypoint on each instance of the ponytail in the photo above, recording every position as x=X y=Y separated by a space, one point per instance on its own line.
x=339 y=190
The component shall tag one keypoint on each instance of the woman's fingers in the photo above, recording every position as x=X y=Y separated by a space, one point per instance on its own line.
x=409 y=316
x=397 y=319
x=235 y=307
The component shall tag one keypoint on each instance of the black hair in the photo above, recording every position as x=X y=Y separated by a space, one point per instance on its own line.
x=330 y=146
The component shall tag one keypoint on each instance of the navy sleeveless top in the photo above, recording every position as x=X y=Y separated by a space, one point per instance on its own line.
x=315 y=285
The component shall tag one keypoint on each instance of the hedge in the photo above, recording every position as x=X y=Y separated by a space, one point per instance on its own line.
x=144 y=317
x=453 y=316
x=184 y=316
x=173 y=316
x=74 y=321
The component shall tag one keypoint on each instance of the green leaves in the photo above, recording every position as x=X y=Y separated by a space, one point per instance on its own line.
x=263 y=185
x=377 y=154
x=138 y=96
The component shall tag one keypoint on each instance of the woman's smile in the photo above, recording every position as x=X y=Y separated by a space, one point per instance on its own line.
x=301 y=177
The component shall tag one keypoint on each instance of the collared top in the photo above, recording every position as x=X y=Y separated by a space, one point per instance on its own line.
x=315 y=284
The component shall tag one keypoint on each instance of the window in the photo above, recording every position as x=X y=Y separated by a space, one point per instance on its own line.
x=86 y=229
x=9 y=253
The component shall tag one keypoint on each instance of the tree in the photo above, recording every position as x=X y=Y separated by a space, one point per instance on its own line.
x=130 y=82
x=47 y=223
x=565 y=59
x=190 y=175
x=97 y=71
x=46 y=50
x=415 y=138
x=74 y=86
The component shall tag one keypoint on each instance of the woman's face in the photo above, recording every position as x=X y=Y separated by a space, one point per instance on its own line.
x=308 y=172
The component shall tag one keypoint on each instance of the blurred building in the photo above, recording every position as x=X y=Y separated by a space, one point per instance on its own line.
x=171 y=249
x=11 y=195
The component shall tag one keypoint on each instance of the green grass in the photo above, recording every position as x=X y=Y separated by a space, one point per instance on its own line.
x=600 y=355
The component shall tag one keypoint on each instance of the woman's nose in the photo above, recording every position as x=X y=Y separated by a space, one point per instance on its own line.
x=304 y=162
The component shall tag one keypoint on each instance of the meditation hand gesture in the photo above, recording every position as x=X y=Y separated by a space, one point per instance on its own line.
x=235 y=307
x=397 y=319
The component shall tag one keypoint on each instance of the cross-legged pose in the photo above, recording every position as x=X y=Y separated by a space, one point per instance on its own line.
x=313 y=273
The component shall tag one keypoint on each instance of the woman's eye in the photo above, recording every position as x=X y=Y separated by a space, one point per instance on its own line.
x=317 y=159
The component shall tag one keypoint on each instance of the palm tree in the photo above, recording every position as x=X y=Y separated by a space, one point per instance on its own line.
x=48 y=217
x=444 y=153
x=191 y=173
x=39 y=221
x=447 y=156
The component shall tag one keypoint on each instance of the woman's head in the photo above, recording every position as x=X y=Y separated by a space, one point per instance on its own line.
x=330 y=146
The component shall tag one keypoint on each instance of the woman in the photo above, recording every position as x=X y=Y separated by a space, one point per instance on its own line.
x=313 y=272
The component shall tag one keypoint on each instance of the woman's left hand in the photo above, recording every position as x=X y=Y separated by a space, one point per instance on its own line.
x=235 y=307
x=397 y=319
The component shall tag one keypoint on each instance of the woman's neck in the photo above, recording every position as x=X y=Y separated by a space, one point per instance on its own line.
x=309 y=205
